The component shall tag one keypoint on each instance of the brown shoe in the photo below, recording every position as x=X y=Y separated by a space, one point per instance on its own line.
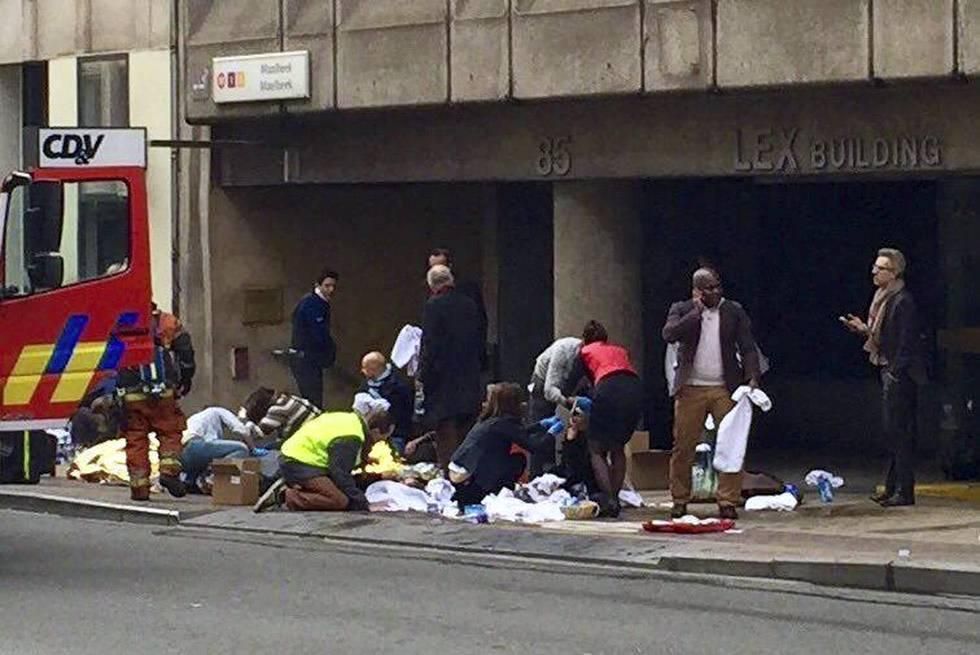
x=679 y=510
x=140 y=494
x=727 y=512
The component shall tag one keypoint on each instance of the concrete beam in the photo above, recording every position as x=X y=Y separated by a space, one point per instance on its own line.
x=309 y=26
x=678 y=52
x=969 y=37
x=775 y=42
x=57 y=28
x=480 y=49
x=119 y=25
x=913 y=38
x=16 y=32
x=598 y=245
x=160 y=19
x=576 y=47
x=218 y=28
x=392 y=52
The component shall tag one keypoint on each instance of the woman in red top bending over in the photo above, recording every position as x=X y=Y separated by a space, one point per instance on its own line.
x=617 y=403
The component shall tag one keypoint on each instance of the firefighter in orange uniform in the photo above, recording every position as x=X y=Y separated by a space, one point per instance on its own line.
x=150 y=397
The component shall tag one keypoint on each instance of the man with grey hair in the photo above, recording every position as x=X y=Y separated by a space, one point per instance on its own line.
x=893 y=340
x=450 y=362
x=716 y=354
x=439 y=277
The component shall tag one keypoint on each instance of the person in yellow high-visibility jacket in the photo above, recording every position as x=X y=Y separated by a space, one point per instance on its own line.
x=316 y=462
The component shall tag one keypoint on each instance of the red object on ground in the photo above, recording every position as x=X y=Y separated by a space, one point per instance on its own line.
x=514 y=450
x=688 y=528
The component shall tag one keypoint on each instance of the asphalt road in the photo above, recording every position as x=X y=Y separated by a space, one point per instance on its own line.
x=76 y=586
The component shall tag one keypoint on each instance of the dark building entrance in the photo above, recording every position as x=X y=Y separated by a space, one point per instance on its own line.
x=797 y=256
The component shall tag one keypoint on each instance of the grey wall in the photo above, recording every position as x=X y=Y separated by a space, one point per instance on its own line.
x=46 y=29
x=598 y=246
x=374 y=53
x=378 y=238
x=656 y=136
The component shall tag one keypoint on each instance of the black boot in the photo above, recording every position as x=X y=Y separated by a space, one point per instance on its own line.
x=173 y=485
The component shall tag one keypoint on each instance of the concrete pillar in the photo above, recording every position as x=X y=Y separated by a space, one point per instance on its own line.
x=598 y=246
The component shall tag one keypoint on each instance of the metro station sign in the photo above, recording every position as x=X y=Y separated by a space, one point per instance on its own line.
x=262 y=77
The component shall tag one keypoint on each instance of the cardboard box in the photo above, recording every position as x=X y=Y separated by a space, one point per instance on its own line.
x=236 y=481
x=647 y=470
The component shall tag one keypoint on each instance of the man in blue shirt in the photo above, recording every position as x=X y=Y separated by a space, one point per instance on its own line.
x=312 y=341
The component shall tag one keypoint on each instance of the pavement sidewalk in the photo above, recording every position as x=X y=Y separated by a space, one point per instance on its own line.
x=933 y=547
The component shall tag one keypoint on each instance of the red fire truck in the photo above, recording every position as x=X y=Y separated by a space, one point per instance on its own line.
x=74 y=272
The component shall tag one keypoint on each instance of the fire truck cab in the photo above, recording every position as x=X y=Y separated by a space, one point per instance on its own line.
x=75 y=294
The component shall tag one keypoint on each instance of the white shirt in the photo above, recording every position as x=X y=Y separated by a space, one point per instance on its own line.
x=210 y=424
x=709 y=368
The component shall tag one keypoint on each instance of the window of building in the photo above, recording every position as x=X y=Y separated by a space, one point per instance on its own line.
x=103 y=92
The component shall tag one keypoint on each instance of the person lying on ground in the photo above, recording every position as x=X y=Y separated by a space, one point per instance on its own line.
x=207 y=439
x=275 y=416
x=576 y=464
x=484 y=463
x=383 y=382
x=317 y=463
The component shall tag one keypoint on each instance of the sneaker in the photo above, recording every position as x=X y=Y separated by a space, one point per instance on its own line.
x=173 y=485
x=727 y=512
x=273 y=497
x=678 y=511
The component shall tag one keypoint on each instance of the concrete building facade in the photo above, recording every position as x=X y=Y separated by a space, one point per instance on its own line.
x=580 y=157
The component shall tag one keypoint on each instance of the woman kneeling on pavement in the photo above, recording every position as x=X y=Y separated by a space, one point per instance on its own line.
x=617 y=403
x=484 y=464
x=316 y=463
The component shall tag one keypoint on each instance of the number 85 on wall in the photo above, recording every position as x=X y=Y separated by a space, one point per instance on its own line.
x=554 y=156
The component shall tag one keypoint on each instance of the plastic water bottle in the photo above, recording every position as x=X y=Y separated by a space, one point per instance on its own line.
x=826 y=490
x=475 y=514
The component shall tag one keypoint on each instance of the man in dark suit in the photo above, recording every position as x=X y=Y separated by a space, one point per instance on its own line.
x=894 y=343
x=712 y=333
x=315 y=348
x=450 y=366
x=469 y=288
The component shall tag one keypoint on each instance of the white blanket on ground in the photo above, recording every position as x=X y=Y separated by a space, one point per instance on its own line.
x=505 y=506
x=784 y=502
x=390 y=496
x=733 y=431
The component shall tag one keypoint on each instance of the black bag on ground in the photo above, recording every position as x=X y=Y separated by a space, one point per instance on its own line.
x=26 y=456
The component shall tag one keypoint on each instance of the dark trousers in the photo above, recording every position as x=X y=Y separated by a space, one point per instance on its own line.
x=309 y=381
x=545 y=460
x=899 y=400
x=450 y=433
x=470 y=493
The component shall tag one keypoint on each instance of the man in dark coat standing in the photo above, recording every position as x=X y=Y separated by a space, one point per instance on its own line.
x=315 y=349
x=894 y=343
x=450 y=367
x=471 y=289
